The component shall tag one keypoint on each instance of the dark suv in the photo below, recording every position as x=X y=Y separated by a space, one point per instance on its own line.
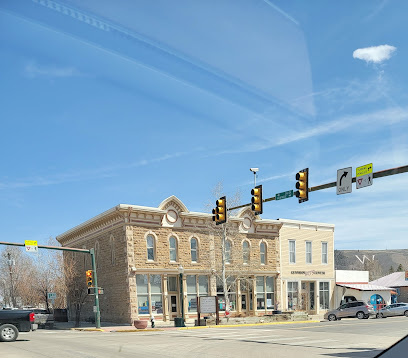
x=358 y=309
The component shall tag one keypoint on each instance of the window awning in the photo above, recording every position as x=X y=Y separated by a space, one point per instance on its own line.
x=365 y=287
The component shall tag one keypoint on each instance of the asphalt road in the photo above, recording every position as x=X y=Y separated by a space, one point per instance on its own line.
x=346 y=338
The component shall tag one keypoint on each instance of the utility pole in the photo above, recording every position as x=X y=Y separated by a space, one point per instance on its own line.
x=11 y=263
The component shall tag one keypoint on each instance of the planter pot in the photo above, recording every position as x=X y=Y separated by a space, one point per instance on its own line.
x=140 y=324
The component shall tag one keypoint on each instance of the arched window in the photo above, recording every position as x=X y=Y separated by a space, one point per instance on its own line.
x=112 y=247
x=228 y=251
x=150 y=247
x=245 y=252
x=262 y=249
x=173 y=249
x=194 y=249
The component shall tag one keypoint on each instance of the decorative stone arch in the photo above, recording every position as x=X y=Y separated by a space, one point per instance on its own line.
x=248 y=220
x=155 y=240
x=173 y=207
x=175 y=202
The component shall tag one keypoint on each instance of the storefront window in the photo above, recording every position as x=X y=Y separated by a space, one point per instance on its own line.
x=324 y=295
x=142 y=294
x=292 y=295
x=192 y=293
x=154 y=296
x=231 y=287
x=264 y=292
x=172 y=283
x=203 y=285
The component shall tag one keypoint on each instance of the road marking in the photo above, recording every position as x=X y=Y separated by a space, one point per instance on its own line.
x=313 y=341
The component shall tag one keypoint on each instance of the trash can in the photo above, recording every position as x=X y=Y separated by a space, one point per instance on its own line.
x=179 y=322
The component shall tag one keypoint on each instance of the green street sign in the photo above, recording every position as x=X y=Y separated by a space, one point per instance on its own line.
x=284 y=195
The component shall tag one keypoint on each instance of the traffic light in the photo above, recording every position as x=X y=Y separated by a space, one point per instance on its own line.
x=257 y=206
x=220 y=212
x=89 y=278
x=302 y=185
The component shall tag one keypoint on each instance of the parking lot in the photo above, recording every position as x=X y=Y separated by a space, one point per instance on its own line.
x=346 y=338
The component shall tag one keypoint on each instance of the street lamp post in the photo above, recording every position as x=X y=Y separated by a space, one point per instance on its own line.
x=181 y=272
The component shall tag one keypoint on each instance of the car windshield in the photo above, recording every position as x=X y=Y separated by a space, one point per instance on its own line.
x=257 y=148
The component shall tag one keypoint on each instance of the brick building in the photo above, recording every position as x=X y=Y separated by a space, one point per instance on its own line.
x=139 y=251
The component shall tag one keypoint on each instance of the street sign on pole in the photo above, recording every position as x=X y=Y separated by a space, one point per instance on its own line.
x=344 y=178
x=284 y=195
x=51 y=295
x=364 y=176
x=31 y=246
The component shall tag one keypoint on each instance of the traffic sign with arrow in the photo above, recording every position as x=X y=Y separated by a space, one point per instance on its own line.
x=344 y=178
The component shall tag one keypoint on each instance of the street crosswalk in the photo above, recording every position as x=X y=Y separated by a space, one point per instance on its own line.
x=256 y=336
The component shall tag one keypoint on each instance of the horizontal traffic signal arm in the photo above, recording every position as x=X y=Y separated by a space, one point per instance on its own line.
x=379 y=174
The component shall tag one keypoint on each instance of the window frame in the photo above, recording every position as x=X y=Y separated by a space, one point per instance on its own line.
x=173 y=249
x=246 y=253
x=326 y=244
x=294 y=252
x=310 y=253
x=192 y=250
x=264 y=254
x=153 y=247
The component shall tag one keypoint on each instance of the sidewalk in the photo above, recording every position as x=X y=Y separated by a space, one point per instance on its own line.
x=163 y=326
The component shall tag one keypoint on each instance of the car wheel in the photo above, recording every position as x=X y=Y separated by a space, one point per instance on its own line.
x=366 y=316
x=381 y=315
x=360 y=315
x=331 y=317
x=406 y=313
x=8 y=333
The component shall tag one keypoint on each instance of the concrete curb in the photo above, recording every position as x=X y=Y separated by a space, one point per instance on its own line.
x=250 y=324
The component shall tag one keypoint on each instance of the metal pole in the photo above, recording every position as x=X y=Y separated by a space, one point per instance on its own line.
x=380 y=174
x=10 y=264
x=95 y=279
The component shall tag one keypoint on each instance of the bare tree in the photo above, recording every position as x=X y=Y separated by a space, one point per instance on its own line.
x=232 y=261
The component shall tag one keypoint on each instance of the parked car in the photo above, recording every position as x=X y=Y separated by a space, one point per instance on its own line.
x=14 y=321
x=395 y=309
x=358 y=309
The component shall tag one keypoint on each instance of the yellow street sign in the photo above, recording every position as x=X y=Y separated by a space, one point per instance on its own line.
x=365 y=169
x=30 y=243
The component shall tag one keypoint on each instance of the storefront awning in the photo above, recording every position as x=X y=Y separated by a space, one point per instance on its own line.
x=365 y=287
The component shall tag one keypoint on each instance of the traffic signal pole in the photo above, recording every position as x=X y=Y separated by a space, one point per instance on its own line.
x=85 y=251
x=379 y=174
x=95 y=279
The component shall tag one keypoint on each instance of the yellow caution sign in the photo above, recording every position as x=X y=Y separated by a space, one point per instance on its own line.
x=30 y=243
x=365 y=169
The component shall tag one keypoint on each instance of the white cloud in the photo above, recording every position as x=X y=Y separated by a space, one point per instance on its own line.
x=375 y=54
x=33 y=70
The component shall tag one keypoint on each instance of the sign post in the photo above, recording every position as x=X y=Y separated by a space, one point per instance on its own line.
x=208 y=304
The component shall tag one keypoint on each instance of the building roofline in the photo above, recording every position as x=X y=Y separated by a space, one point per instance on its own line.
x=302 y=222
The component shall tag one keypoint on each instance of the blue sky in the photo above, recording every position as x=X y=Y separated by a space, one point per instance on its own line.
x=132 y=101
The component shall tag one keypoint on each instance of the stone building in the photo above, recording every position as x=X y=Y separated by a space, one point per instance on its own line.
x=140 y=252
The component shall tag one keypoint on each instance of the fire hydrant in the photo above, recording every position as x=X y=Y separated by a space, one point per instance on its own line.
x=152 y=321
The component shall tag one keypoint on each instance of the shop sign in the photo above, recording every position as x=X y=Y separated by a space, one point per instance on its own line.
x=308 y=273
